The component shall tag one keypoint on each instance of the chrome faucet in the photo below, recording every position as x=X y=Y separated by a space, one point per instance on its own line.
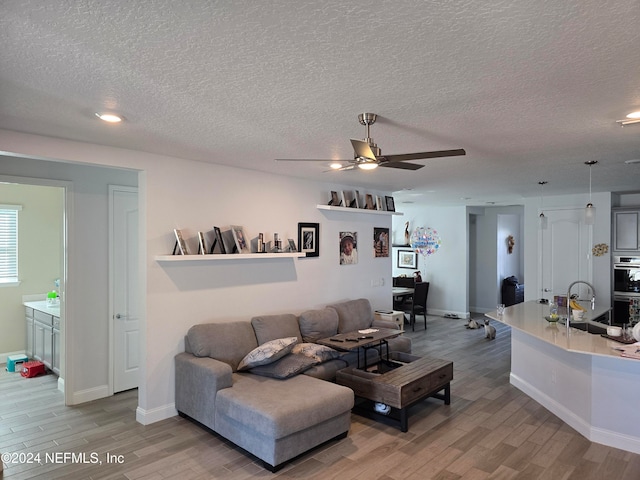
x=593 y=299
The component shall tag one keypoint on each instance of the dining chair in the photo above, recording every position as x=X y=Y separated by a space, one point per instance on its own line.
x=418 y=304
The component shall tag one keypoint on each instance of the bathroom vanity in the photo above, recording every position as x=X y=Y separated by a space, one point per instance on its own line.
x=43 y=333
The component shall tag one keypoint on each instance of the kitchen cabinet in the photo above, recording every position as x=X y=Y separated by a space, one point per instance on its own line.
x=626 y=229
x=43 y=335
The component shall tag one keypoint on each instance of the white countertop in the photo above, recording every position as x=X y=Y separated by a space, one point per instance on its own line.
x=42 y=306
x=528 y=317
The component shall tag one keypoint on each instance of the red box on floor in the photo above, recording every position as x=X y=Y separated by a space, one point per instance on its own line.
x=32 y=369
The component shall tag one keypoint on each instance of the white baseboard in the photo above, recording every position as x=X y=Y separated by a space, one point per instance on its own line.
x=594 y=434
x=442 y=313
x=88 y=395
x=147 y=417
x=61 y=384
x=482 y=310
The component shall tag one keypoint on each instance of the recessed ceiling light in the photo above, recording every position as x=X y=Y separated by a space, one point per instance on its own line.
x=336 y=165
x=109 y=117
x=634 y=115
x=635 y=160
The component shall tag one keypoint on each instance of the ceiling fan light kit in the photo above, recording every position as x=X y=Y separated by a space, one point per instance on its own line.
x=368 y=156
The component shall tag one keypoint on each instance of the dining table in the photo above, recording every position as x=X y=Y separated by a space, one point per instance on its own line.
x=399 y=295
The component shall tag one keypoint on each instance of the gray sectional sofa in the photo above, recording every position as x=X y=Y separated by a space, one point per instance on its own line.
x=266 y=386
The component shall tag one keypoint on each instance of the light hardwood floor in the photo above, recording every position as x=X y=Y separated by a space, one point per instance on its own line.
x=490 y=431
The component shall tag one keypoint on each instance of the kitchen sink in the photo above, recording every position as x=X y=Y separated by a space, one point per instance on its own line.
x=589 y=327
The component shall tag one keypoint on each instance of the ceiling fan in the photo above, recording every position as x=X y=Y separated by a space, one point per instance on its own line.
x=368 y=156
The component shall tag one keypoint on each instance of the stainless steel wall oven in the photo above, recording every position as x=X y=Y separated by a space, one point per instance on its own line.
x=626 y=290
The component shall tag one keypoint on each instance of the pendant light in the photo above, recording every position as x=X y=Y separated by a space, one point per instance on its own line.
x=590 y=210
x=542 y=222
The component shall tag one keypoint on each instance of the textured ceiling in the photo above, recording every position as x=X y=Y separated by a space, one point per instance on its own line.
x=531 y=89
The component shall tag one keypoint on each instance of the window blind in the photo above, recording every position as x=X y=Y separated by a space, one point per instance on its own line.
x=9 y=243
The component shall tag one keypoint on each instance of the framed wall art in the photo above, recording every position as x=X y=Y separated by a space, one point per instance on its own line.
x=309 y=239
x=380 y=242
x=407 y=259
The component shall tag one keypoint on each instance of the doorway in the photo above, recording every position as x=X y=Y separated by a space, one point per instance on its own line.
x=41 y=268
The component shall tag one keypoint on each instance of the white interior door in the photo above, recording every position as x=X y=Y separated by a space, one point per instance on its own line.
x=564 y=252
x=124 y=288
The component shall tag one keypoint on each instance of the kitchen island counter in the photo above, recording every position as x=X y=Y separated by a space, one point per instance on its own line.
x=528 y=317
x=576 y=375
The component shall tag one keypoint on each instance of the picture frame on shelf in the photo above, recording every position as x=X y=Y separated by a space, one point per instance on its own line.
x=335 y=199
x=379 y=203
x=369 y=202
x=309 y=239
x=180 y=245
x=347 y=201
x=240 y=239
x=407 y=259
x=202 y=244
x=391 y=206
x=219 y=242
x=292 y=245
x=356 y=197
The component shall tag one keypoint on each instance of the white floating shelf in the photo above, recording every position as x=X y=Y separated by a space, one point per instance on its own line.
x=356 y=210
x=221 y=257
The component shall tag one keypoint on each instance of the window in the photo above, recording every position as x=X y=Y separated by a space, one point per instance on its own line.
x=9 y=244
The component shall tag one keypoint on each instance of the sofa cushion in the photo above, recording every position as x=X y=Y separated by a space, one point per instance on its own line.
x=317 y=324
x=353 y=315
x=286 y=367
x=278 y=408
x=267 y=352
x=227 y=342
x=320 y=353
x=271 y=327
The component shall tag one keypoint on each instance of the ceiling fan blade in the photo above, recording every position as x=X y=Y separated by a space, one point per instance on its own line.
x=420 y=155
x=402 y=165
x=362 y=149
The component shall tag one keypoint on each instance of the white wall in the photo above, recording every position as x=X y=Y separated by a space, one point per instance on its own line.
x=194 y=196
x=446 y=270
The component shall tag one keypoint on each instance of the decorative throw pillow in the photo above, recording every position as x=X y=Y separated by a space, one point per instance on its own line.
x=286 y=367
x=267 y=352
x=320 y=353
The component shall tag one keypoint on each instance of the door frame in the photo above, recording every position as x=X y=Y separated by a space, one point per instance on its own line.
x=112 y=340
x=65 y=379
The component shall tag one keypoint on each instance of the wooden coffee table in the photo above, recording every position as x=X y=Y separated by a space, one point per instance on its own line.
x=356 y=340
x=411 y=381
